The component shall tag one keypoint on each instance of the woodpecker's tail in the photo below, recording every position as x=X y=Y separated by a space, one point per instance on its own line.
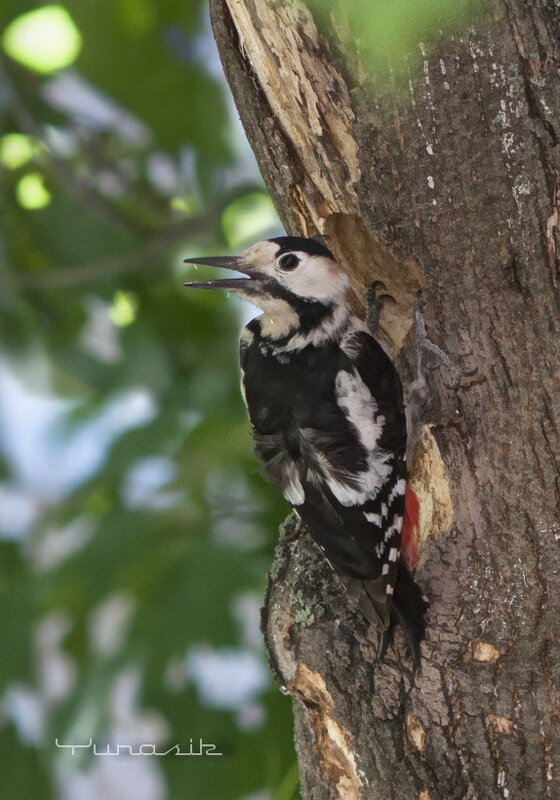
x=409 y=609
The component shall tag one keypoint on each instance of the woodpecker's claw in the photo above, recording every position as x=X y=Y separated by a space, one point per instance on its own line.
x=372 y=293
x=424 y=343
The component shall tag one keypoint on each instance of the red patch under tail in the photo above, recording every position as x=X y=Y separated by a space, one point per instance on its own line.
x=409 y=547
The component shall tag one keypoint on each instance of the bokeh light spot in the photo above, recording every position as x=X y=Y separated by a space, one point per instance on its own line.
x=123 y=310
x=32 y=193
x=249 y=218
x=16 y=149
x=44 y=40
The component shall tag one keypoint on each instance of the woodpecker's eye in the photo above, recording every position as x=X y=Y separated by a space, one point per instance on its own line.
x=288 y=262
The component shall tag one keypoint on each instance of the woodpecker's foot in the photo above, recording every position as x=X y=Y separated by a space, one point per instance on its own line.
x=424 y=344
x=375 y=303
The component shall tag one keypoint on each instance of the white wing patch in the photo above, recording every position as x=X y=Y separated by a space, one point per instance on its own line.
x=360 y=409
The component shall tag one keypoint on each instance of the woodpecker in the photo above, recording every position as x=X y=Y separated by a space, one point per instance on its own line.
x=326 y=409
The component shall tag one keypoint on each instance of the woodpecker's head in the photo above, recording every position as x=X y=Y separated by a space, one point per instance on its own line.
x=292 y=279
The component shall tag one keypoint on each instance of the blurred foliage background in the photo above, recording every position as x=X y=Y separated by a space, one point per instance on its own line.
x=135 y=530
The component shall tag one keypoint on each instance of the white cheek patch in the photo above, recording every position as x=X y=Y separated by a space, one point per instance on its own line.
x=315 y=278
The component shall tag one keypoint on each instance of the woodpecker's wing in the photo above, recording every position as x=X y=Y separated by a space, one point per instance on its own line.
x=330 y=429
x=377 y=371
x=350 y=557
x=383 y=510
x=363 y=537
x=360 y=488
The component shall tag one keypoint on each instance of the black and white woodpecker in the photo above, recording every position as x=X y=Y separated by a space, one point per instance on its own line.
x=326 y=408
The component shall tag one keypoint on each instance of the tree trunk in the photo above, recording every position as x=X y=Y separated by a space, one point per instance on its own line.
x=447 y=183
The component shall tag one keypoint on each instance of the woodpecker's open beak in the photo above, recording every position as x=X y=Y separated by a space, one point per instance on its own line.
x=227 y=262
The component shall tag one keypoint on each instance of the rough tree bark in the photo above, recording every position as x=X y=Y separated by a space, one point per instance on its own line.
x=452 y=186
